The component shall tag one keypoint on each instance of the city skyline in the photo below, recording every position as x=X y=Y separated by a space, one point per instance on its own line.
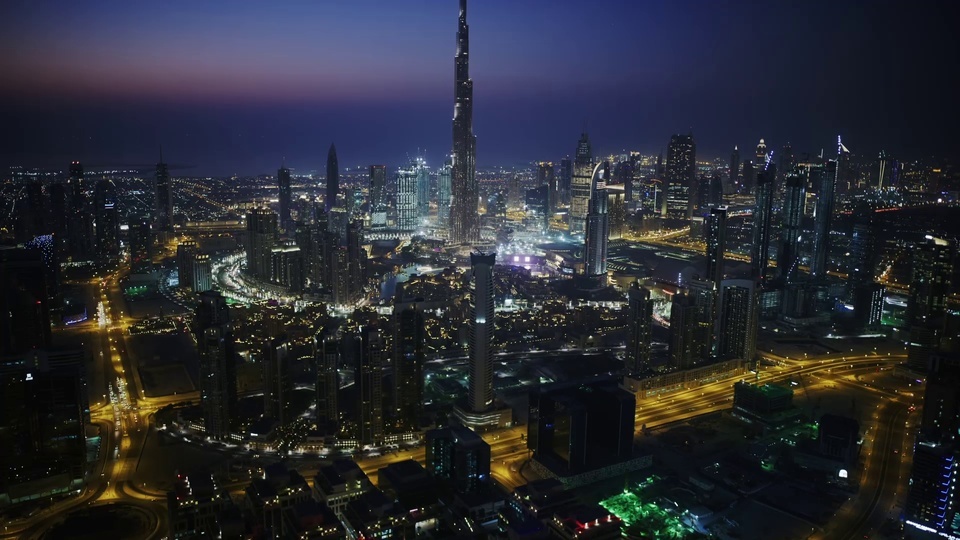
x=238 y=104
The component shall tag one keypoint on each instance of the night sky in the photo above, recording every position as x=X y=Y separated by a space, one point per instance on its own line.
x=234 y=86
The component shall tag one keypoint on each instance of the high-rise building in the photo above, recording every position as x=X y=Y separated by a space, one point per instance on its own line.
x=31 y=213
x=791 y=225
x=378 y=197
x=163 y=212
x=283 y=185
x=107 y=222
x=705 y=299
x=762 y=213
x=326 y=354
x=333 y=179
x=409 y=341
x=640 y=328
x=738 y=319
x=24 y=302
x=597 y=227
x=422 y=172
x=930 y=505
x=565 y=180
x=684 y=321
x=443 y=195
x=286 y=267
x=141 y=246
x=480 y=397
x=459 y=456
x=680 y=175
x=735 y=170
x=716 y=228
x=80 y=231
x=761 y=152
x=748 y=177
x=930 y=276
x=825 y=179
x=213 y=330
x=277 y=380
x=202 y=278
x=367 y=352
x=715 y=190
x=407 y=211
x=581 y=185
x=260 y=240
x=545 y=176
x=186 y=255
x=464 y=215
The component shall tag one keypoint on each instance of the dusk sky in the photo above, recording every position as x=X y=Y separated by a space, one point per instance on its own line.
x=235 y=86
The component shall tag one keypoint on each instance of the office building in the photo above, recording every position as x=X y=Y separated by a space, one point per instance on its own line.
x=640 y=328
x=443 y=195
x=407 y=210
x=458 y=456
x=684 y=322
x=283 y=186
x=202 y=273
x=141 y=246
x=260 y=239
x=825 y=178
x=480 y=398
x=546 y=177
x=378 y=197
x=581 y=185
x=333 y=179
x=326 y=354
x=286 y=267
x=565 y=180
x=762 y=213
x=791 y=225
x=409 y=341
x=574 y=427
x=186 y=255
x=213 y=331
x=107 y=221
x=597 y=228
x=930 y=276
x=422 y=189
x=704 y=296
x=716 y=229
x=738 y=320
x=366 y=350
x=277 y=380
x=681 y=172
x=464 y=215
x=163 y=211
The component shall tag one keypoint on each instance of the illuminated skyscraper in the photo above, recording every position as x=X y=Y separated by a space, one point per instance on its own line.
x=546 y=177
x=761 y=152
x=738 y=320
x=218 y=377
x=163 y=212
x=640 y=328
x=684 y=321
x=408 y=357
x=378 y=197
x=680 y=175
x=597 y=227
x=825 y=179
x=277 y=381
x=326 y=354
x=283 y=183
x=566 y=177
x=762 y=213
x=581 y=184
x=141 y=246
x=186 y=255
x=407 y=199
x=422 y=189
x=480 y=397
x=464 y=216
x=333 y=179
x=735 y=169
x=202 y=273
x=443 y=195
x=716 y=244
x=930 y=276
x=107 y=222
x=366 y=350
x=260 y=240
x=791 y=226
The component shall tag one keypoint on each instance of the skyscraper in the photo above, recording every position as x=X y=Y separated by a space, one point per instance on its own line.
x=791 y=225
x=80 y=230
x=930 y=276
x=566 y=178
x=218 y=377
x=163 y=212
x=260 y=240
x=761 y=152
x=680 y=176
x=277 y=381
x=464 y=217
x=141 y=246
x=24 y=305
x=408 y=357
x=407 y=213
x=480 y=397
x=202 y=273
x=716 y=244
x=826 y=180
x=107 y=222
x=326 y=354
x=545 y=176
x=760 y=249
x=459 y=456
x=735 y=170
x=186 y=255
x=597 y=227
x=640 y=328
x=422 y=191
x=443 y=195
x=738 y=320
x=283 y=184
x=333 y=179
x=378 y=197
x=581 y=184
x=368 y=350
x=684 y=320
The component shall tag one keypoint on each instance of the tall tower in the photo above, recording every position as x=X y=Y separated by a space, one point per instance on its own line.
x=481 y=332
x=545 y=175
x=443 y=195
x=261 y=238
x=735 y=169
x=826 y=180
x=927 y=303
x=464 y=217
x=566 y=177
x=640 y=327
x=581 y=183
x=218 y=376
x=408 y=349
x=422 y=189
x=680 y=176
x=684 y=326
x=738 y=320
x=760 y=253
x=407 y=199
x=716 y=244
x=597 y=228
x=378 y=197
x=326 y=353
x=333 y=178
x=164 y=204
x=369 y=370
x=283 y=183
x=107 y=222
x=277 y=381
x=791 y=226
